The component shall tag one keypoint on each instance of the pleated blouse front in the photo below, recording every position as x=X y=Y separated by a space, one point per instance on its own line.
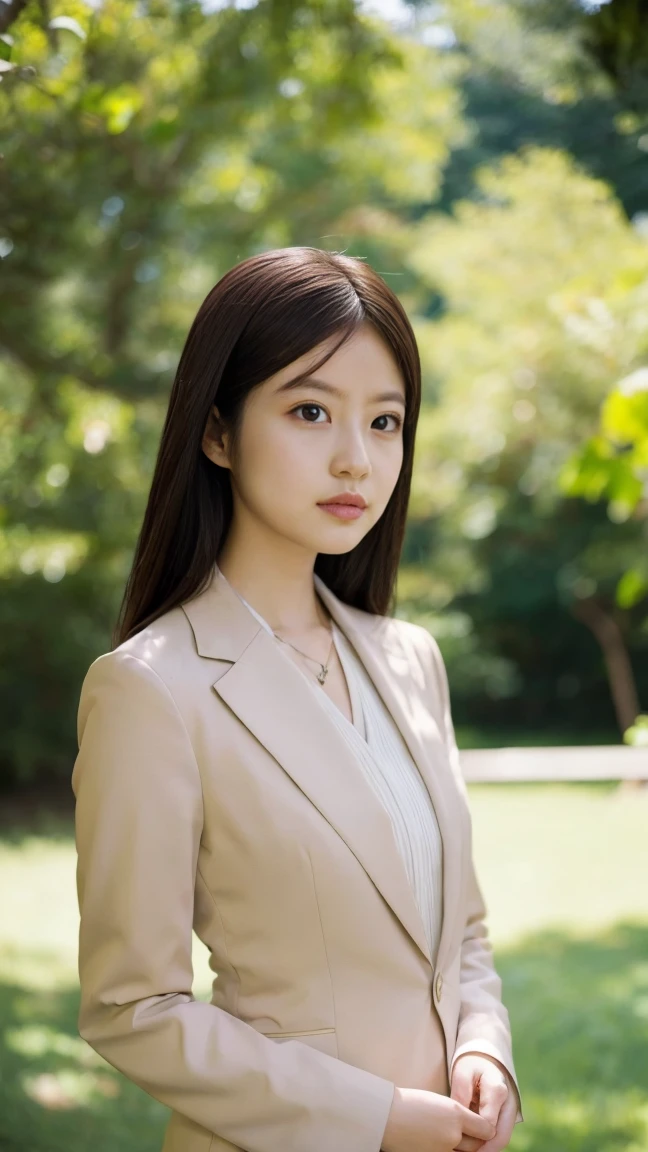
x=390 y=769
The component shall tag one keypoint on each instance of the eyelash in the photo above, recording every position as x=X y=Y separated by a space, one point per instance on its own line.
x=394 y=416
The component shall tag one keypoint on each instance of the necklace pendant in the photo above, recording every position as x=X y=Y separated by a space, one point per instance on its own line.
x=321 y=676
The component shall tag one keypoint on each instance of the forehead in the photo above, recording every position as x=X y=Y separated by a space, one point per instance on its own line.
x=364 y=359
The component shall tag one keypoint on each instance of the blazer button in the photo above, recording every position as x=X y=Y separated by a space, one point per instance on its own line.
x=439 y=985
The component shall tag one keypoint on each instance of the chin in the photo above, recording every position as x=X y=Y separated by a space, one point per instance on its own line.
x=341 y=537
x=340 y=547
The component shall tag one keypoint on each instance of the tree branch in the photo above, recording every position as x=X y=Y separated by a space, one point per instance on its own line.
x=608 y=633
x=9 y=12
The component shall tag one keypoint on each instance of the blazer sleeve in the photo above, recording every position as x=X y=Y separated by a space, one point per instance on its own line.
x=138 y=824
x=484 y=1025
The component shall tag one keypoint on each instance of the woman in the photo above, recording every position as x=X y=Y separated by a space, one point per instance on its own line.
x=268 y=756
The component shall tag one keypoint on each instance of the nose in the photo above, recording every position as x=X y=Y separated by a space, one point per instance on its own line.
x=351 y=457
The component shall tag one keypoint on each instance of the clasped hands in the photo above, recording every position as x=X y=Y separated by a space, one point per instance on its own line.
x=481 y=1084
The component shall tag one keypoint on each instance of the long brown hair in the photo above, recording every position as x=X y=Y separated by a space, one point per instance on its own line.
x=262 y=315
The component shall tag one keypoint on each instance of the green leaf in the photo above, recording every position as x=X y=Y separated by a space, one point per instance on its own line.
x=67 y=24
x=6 y=44
x=632 y=587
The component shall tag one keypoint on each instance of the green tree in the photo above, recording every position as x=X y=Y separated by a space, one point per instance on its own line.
x=544 y=283
x=148 y=148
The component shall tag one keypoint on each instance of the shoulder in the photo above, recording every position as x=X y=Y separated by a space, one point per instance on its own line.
x=132 y=730
x=424 y=655
x=156 y=657
x=414 y=633
x=414 y=638
x=397 y=633
x=412 y=641
x=424 y=646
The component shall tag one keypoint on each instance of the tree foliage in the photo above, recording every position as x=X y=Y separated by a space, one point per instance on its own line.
x=150 y=147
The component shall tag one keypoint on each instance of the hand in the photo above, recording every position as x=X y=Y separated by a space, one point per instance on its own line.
x=421 y=1121
x=482 y=1084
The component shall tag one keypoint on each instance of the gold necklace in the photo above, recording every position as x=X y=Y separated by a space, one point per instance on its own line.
x=322 y=674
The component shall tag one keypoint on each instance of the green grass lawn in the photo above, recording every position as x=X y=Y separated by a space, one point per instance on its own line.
x=564 y=870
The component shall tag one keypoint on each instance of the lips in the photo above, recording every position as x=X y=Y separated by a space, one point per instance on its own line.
x=351 y=498
x=346 y=506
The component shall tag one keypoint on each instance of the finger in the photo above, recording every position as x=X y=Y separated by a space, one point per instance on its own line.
x=472 y=1124
x=464 y=1084
x=504 y=1128
x=469 y=1144
x=493 y=1092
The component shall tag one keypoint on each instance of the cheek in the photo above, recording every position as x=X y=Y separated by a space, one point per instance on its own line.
x=388 y=467
x=276 y=466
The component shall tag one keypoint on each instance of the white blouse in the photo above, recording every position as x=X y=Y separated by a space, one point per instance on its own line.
x=389 y=767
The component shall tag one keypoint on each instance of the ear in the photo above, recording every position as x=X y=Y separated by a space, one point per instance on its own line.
x=215 y=440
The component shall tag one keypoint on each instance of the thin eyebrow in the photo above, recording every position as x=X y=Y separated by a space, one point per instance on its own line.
x=324 y=386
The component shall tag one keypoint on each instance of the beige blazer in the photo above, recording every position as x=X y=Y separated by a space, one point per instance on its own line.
x=213 y=791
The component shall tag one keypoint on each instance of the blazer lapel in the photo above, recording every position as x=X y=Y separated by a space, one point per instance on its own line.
x=272 y=698
x=379 y=646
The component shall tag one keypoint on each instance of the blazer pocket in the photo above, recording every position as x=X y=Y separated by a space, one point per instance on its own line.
x=305 y=1032
x=324 y=1039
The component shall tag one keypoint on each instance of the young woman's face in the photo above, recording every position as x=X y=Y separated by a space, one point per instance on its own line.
x=340 y=431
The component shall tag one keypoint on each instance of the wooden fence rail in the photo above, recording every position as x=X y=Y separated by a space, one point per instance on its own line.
x=517 y=765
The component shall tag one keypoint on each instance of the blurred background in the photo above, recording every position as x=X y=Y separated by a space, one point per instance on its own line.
x=490 y=159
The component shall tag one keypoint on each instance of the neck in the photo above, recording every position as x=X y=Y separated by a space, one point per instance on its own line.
x=283 y=594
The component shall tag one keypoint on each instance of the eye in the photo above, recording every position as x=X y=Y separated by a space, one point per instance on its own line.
x=310 y=407
x=318 y=408
x=390 y=416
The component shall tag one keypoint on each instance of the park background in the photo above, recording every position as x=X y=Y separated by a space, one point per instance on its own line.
x=490 y=159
